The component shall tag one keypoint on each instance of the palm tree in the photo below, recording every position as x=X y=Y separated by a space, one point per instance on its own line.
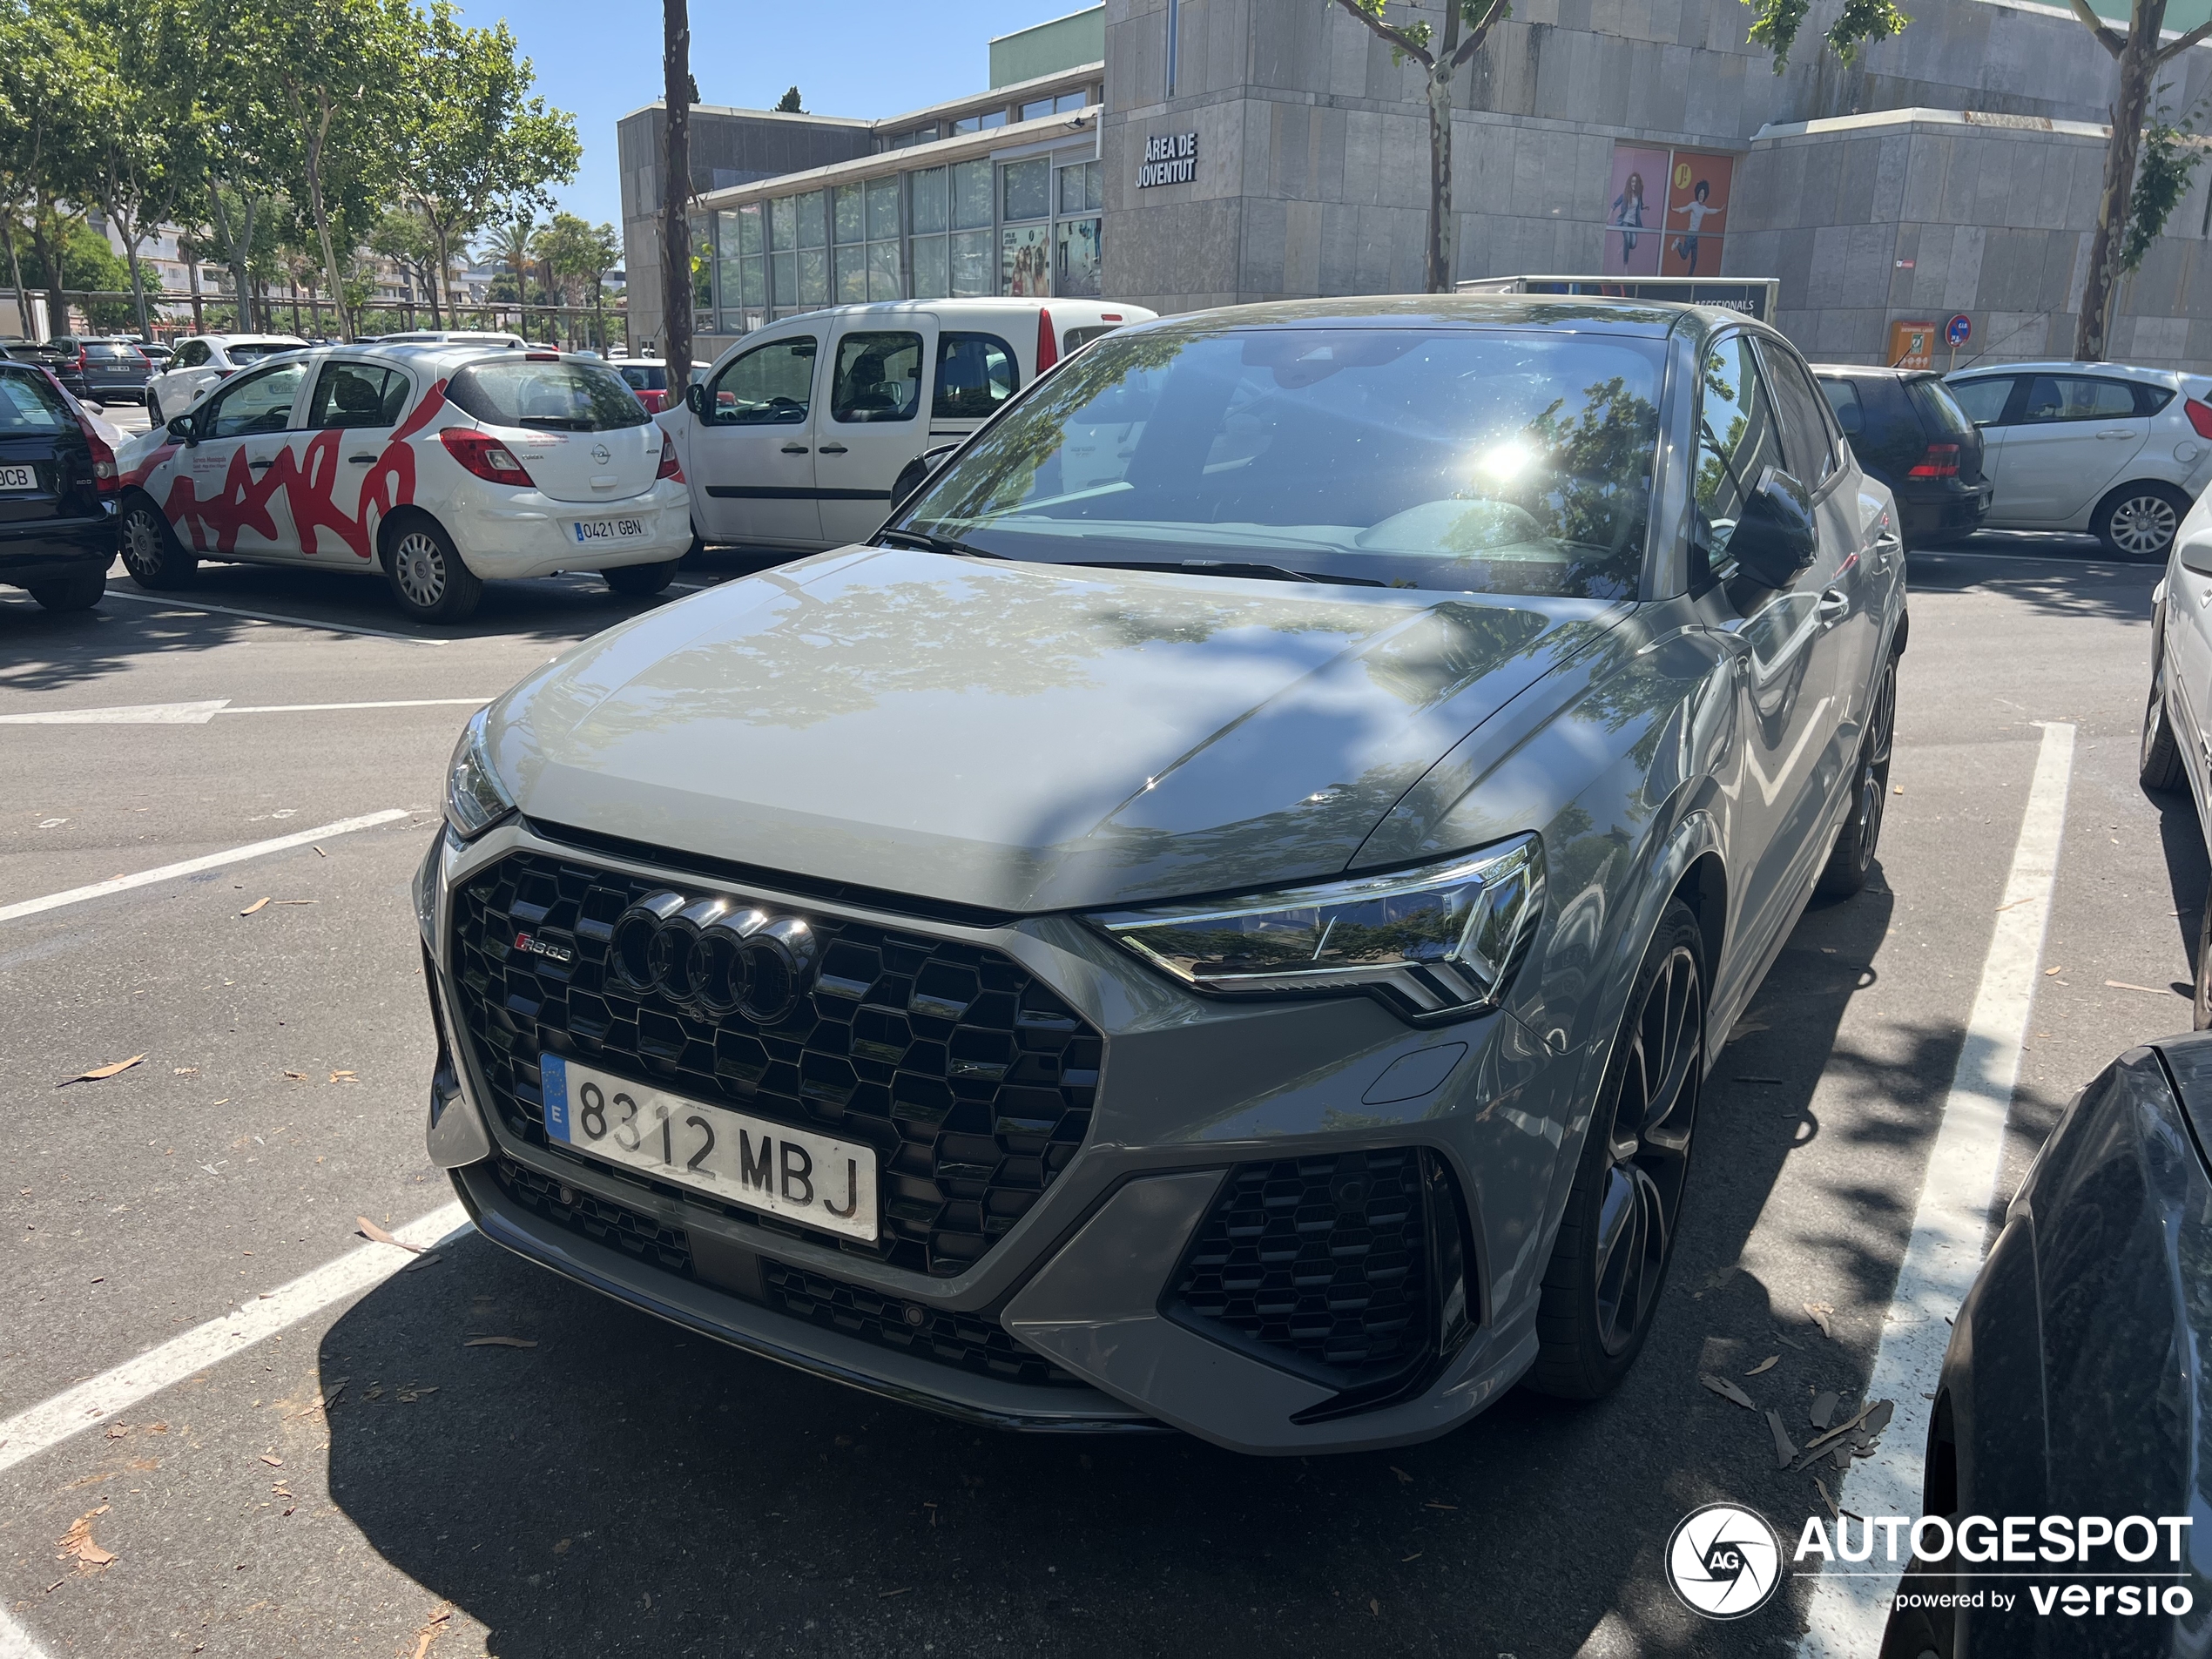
x=510 y=244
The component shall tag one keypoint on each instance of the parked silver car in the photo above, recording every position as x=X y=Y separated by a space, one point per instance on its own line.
x=1219 y=915
x=2118 y=452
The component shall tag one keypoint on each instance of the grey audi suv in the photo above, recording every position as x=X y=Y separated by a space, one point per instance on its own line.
x=1217 y=916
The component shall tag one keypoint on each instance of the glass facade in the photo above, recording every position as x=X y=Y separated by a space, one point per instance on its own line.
x=1028 y=226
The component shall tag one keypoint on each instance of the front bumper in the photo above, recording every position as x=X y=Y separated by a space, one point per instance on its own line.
x=1072 y=1318
x=510 y=534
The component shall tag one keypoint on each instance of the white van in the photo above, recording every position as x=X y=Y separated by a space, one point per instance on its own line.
x=803 y=433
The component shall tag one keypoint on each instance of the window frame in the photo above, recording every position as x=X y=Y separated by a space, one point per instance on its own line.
x=391 y=371
x=1719 y=571
x=878 y=417
x=712 y=416
x=204 y=418
x=1771 y=351
x=951 y=336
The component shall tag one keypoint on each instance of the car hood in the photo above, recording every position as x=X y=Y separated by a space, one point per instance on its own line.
x=1018 y=736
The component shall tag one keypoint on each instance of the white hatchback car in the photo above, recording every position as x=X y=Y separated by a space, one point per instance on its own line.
x=2119 y=452
x=440 y=466
x=804 y=433
x=203 y=360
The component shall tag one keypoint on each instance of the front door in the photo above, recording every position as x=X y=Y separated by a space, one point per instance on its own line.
x=340 y=460
x=751 y=455
x=875 y=424
x=1785 y=672
x=236 y=501
x=2064 y=444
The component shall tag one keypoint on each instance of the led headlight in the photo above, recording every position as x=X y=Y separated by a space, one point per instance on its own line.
x=1442 y=941
x=475 y=800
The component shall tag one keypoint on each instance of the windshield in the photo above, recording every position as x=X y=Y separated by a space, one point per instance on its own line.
x=1476 y=461
x=253 y=353
x=561 y=397
x=645 y=378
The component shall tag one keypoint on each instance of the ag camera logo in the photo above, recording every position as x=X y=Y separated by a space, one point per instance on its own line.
x=1723 y=1561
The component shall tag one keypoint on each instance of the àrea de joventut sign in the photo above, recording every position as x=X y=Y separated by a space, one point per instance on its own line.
x=1170 y=158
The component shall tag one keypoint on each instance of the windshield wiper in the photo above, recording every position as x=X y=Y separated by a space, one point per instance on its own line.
x=1230 y=567
x=932 y=543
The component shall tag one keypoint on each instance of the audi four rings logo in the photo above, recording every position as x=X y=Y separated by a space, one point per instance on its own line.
x=1725 y=1561
x=718 y=956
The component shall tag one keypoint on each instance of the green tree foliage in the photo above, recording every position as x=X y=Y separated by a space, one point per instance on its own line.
x=578 y=255
x=789 y=104
x=1859 y=23
x=87 y=264
x=2171 y=150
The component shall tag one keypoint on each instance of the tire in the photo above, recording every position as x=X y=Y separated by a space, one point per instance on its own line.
x=79 y=592
x=2138 y=520
x=641 y=581
x=2158 y=761
x=151 y=553
x=1601 y=1289
x=696 y=551
x=1852 y=860
x=2201 y=1002
x=427 y=575
x=153 y=410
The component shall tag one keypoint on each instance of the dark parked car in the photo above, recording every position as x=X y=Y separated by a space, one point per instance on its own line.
x=1301 y=1043
x=1908 y=431
x=58 y=483
x=49 y=356
x=104 y=371
x=2075 y=1384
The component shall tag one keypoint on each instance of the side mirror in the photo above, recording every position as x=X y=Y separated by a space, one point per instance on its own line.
x=182 y=429
x=1775 y=539
x=2196 y=553
x=917 y=473
x=695 y=398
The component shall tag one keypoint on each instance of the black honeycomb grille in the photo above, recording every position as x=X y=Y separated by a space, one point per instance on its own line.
x=1324 y=1261
x=610 y=1223
x=971 y=1080
x=929 y=1333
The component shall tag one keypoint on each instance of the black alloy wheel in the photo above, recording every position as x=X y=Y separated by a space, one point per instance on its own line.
x=151 y=554
x=1852 y=860
x=641 y=581
x=1601 y=1289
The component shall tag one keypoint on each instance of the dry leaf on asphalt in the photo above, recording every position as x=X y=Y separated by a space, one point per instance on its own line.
x=499 y=1342
x=1767 y=1364
x=370 y=1230
x=295 y=902
x=1404 y=1479
x=273 y=1462
x=432 y=1628
x=1727 y=1390
x=255 y=905
x=76 y=1543
x=1825 y=1498
x=320 y=854
x=1879 y=1419
x=99 y=1073
x=297 y=1076
x=343 y=1076
x=1819 y=1312
x=1816 y=1448
x=2049 y=971
x=1785 y=1450
x=2122 y=985
x=1823 y=1408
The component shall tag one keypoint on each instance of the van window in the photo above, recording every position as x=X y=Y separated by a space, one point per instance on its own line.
x=770 y=385
x=878 y=377
x=975 y=373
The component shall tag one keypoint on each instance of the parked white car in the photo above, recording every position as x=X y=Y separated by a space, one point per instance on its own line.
x=2119 y=452
x=439 y=466
x=804 y=433
x=2177 y=720
x=453 y=337
x=203 y=360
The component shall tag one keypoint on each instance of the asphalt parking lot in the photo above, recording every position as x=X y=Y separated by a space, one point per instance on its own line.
x=346 y=1466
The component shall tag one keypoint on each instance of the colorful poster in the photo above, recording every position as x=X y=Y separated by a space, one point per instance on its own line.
x=1697 y=196
x=1633 y=232
x=1025 y=261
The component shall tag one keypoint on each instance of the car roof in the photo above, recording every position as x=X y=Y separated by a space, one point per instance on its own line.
x=1649 y=318
x=1870 y=371
x=2122 y=371
x=248 y=340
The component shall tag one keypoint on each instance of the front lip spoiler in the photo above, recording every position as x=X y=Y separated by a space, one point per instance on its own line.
x=508 y=1236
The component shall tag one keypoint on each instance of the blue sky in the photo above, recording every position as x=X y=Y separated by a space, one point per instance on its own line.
x=859 y=58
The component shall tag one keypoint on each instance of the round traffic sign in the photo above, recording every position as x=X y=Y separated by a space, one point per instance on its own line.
x=1959 y=329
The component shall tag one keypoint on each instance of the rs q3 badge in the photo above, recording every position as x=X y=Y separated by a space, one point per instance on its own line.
x=536 y=945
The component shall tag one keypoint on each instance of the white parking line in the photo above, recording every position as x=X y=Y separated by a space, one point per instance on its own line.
x=201 y=713
x=1952 y=1220
x=270 y=616
x=193 y=867
x=74 y=1410
x=15 y=1641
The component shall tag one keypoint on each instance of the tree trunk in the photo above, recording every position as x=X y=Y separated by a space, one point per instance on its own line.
x=189 y=252
x=1438 y=274
x=676 y=195
x=2138 y=69
x=236 y=249
x=46 y=239
x=137 y=281
x=314 y=172
x=15 y=274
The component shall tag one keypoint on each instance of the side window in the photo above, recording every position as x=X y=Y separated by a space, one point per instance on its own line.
x=1843 y=397
x=350 y=394
x=194 y=354
x=1984 y=400
x=2073 y=397
x=1805 y=437
x=1737 y=443
x=261 y=404
x=771 y=385
x=975 y=373
x=878 y=377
